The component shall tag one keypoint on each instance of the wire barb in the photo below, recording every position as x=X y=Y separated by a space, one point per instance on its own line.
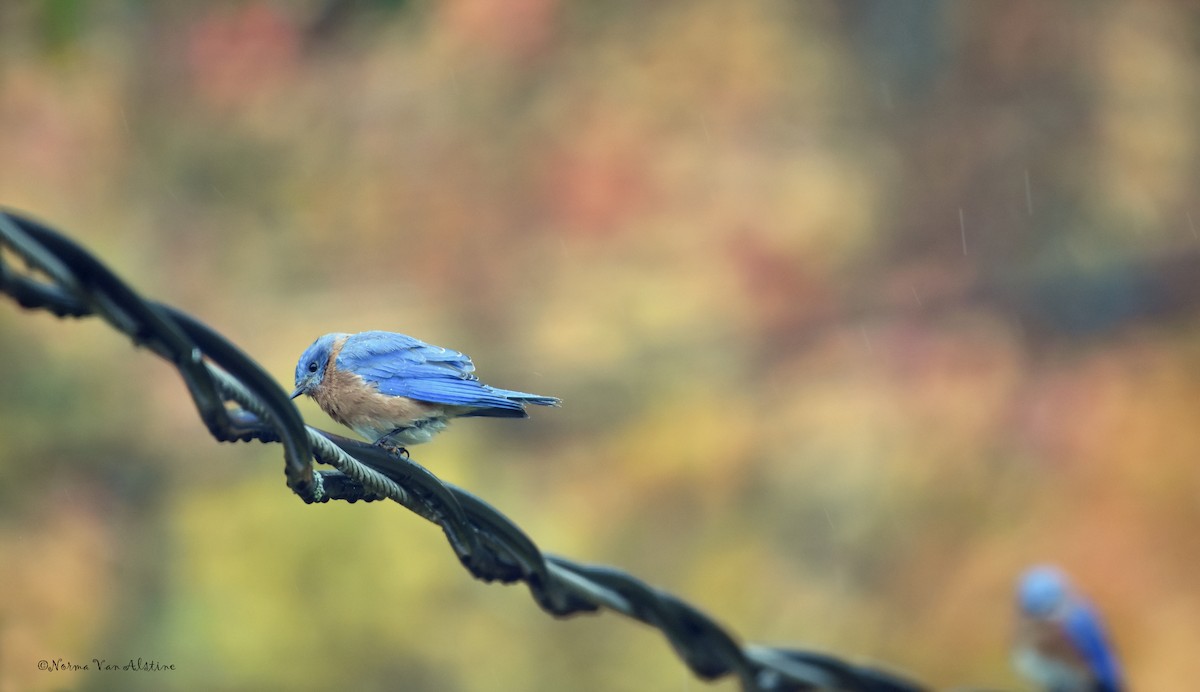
x=66 y=280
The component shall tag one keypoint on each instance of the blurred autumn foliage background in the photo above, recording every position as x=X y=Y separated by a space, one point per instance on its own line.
x=857 y=309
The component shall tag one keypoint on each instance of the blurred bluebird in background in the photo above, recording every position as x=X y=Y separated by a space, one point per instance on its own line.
x=398 y=391
x=1061 y=644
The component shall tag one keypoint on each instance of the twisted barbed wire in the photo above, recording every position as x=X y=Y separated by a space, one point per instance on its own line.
x=68 y=281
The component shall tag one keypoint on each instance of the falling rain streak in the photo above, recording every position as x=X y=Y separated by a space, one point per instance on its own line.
x=962 y=225
x=1028 y=194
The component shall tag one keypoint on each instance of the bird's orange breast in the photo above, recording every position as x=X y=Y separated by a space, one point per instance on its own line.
x=356 y=403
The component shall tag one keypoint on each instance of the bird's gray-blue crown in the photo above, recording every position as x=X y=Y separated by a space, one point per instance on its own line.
x=1043 y=589
x=310 y=369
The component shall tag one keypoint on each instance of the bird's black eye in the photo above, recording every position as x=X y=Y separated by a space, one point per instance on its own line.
x=312 y=367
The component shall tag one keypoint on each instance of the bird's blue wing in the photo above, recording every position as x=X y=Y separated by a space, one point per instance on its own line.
x=385 y=355
x=403 y=366
x=1083 y=627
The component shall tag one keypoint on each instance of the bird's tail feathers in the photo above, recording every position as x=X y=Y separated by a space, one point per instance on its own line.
x=507 y=403
x=524 y=398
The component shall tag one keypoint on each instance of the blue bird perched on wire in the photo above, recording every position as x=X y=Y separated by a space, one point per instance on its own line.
x=1061 y=644
x=398 y=391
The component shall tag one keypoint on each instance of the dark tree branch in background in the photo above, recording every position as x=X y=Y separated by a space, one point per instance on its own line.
x=239 y=401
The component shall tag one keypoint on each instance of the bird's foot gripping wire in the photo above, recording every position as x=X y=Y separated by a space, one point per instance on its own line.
x=390 y=446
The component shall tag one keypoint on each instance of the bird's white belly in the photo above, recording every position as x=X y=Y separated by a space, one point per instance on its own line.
x=1050 y=673
x=413 y=433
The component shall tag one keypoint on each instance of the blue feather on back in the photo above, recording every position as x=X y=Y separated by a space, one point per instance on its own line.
x=400 y=365
x=1083 y=627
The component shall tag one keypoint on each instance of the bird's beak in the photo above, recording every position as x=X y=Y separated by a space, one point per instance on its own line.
x=304 y=386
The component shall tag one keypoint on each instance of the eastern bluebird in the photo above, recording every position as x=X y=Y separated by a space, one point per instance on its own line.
x=1061 y=644
x=399 y=391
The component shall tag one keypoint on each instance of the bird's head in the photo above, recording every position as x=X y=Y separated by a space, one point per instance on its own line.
x=310 y=370
x=1042 y=591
